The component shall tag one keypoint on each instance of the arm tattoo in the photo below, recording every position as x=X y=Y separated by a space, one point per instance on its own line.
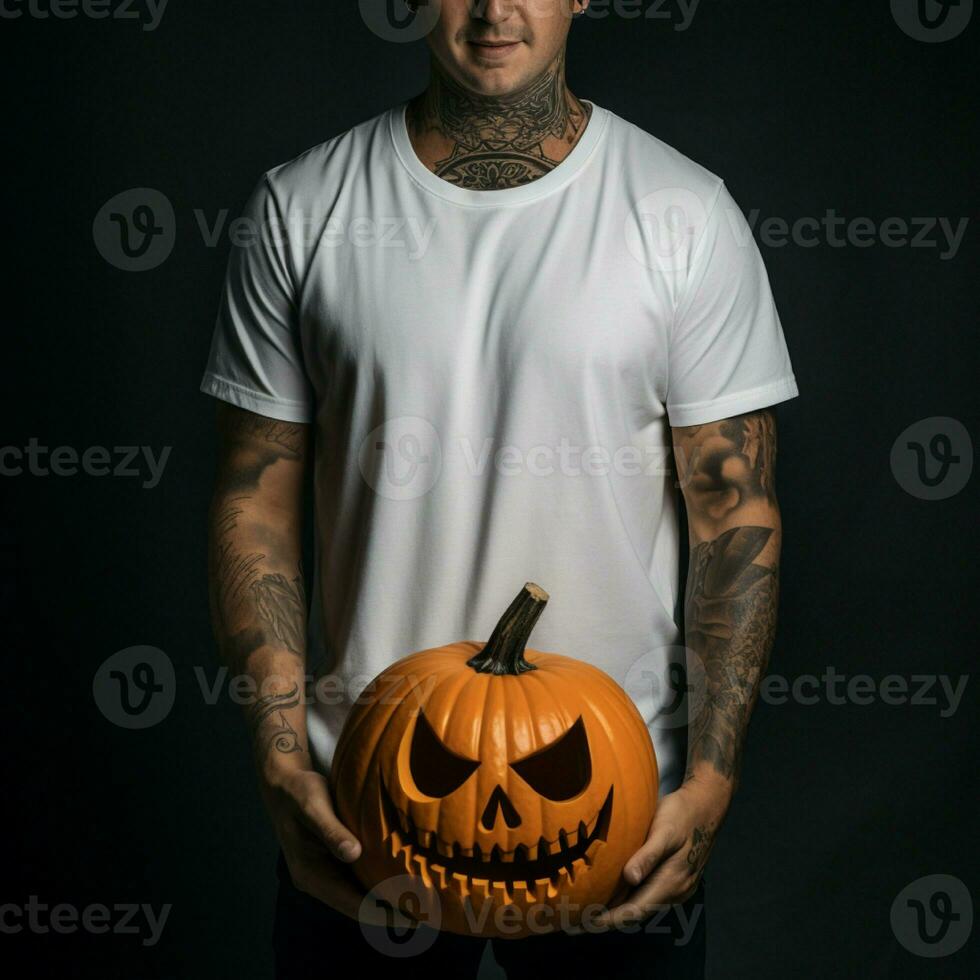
x=284 y=435
x=497 y=142
x=270 y=440
x=278 y=734
x=232 y=573
x=251 y=609
x=282 y=606
x=730 y=617
x=731 y=598
x=732 y=462
x=701 y=841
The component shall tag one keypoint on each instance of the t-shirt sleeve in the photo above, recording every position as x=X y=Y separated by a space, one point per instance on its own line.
x=256 y=358
x=727 y=353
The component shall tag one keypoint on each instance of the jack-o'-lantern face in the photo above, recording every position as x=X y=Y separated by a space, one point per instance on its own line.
x=527 y=782
x=539 y=820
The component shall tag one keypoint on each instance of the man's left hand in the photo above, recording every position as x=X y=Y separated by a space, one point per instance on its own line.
x=666 y=870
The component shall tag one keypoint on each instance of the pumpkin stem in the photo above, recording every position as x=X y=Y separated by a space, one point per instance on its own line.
x=504 y=651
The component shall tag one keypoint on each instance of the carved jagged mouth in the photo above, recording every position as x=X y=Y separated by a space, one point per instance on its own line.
x=538 y=871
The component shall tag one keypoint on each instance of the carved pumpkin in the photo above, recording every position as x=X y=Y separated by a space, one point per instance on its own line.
x=496 y=774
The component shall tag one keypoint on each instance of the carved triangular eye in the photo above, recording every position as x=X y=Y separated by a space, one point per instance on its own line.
x=437 y=771
x=561 y=770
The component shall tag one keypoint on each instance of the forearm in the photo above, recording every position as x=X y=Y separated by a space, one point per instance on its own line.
x=726 y=471
x=257 y=595
x=258 y=617
x=732 y=587
x=730 y=618
x=258 y=609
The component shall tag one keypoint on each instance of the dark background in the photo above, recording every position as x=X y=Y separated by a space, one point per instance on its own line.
x=801 y=107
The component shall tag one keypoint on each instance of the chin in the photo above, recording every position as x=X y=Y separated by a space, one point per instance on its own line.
x=487 y=78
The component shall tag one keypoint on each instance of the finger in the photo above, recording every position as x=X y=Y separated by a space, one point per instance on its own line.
x=316 y=809
x=671 y=885
x=663 y=888
x=661 y=843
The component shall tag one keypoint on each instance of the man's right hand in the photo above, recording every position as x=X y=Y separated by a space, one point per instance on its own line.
x=259 y=612
x=317 y=847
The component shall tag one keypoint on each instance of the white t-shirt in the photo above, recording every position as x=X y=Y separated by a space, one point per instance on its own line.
x=491 y=375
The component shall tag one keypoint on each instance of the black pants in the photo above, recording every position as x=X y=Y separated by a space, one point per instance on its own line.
x=313 y=940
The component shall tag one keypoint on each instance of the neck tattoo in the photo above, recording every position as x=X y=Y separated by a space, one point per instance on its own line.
x=499 y=142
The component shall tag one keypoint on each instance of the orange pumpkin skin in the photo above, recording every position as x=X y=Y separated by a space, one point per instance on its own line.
x=525 y=792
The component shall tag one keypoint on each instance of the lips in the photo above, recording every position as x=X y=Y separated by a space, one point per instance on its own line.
x=495 y=46
x=536 y=872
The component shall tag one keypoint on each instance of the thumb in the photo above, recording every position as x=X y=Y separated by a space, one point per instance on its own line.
x=318 y=813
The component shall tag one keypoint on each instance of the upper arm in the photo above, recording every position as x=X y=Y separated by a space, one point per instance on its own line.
x=727 y=473
x=256 y=371
x=727 y=354
x=256 y=358
x=260 y=458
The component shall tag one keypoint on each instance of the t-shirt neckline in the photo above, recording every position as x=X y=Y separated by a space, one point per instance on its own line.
x=565 y=171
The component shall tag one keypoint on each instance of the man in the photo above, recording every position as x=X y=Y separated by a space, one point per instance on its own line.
x=483 y=317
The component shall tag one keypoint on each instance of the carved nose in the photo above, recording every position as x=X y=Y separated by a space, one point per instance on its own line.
x=498 y=800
